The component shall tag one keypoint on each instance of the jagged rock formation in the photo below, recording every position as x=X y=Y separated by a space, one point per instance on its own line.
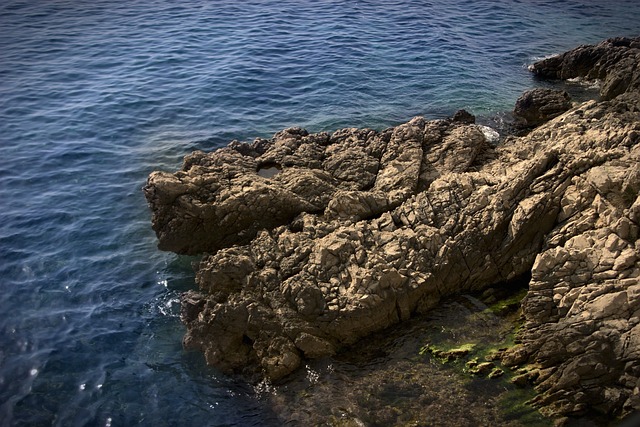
x=583 y=306
x=614 y=62
x=315 y=240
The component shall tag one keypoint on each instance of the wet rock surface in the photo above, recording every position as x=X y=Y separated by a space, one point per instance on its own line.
x=361 y=229
x=613 y=61
x=390 y=379
x=540 y=105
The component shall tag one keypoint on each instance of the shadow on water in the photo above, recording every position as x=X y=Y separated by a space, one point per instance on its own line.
x=389 y=378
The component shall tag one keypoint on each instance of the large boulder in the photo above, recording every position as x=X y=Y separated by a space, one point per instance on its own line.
x=540 y=105
x=361 y=229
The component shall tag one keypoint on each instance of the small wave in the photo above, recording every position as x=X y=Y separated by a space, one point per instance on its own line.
x=586 y=83
x=98 y=95
x=168 y=305
x=542 y=58
x=529 y=65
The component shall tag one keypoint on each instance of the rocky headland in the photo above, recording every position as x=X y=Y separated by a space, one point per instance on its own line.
x=313 y=241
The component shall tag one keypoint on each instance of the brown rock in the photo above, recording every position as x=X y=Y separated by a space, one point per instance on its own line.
x=363 y=229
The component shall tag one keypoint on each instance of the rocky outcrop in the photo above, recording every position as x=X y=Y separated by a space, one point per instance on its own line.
x=540 y=105
x=582 y=309
x=614 y=62
x=316 y=240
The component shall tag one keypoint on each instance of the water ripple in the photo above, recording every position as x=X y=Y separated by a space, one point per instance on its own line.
x=95 y=95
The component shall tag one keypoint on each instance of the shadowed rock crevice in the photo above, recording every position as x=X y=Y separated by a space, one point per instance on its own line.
x=361 y=229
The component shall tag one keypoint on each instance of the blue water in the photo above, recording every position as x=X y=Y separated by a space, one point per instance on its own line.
x=96 y=94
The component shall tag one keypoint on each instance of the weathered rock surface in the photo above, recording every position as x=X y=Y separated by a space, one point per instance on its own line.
x=362 y=229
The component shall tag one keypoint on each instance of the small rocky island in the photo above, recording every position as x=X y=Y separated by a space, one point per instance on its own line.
x=313 y=241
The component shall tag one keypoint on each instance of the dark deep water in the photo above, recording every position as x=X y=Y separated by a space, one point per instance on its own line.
x=94 y=95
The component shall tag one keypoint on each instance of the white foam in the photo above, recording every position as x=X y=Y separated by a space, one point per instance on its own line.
x=589 y=84
x=542 y=58
x=535 y=59
x=491 y=135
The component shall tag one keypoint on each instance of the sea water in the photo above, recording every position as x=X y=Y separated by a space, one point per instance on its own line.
x=94 y=95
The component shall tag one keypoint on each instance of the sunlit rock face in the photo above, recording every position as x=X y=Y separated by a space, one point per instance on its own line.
x=313 y=241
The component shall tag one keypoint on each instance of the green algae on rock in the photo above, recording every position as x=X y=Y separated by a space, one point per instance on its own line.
x=384 y=380
x=362 y=229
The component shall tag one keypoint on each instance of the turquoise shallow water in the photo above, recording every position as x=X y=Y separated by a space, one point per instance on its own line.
x=94 y=95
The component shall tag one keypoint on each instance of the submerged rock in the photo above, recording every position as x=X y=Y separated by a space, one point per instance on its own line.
x=362 y=229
